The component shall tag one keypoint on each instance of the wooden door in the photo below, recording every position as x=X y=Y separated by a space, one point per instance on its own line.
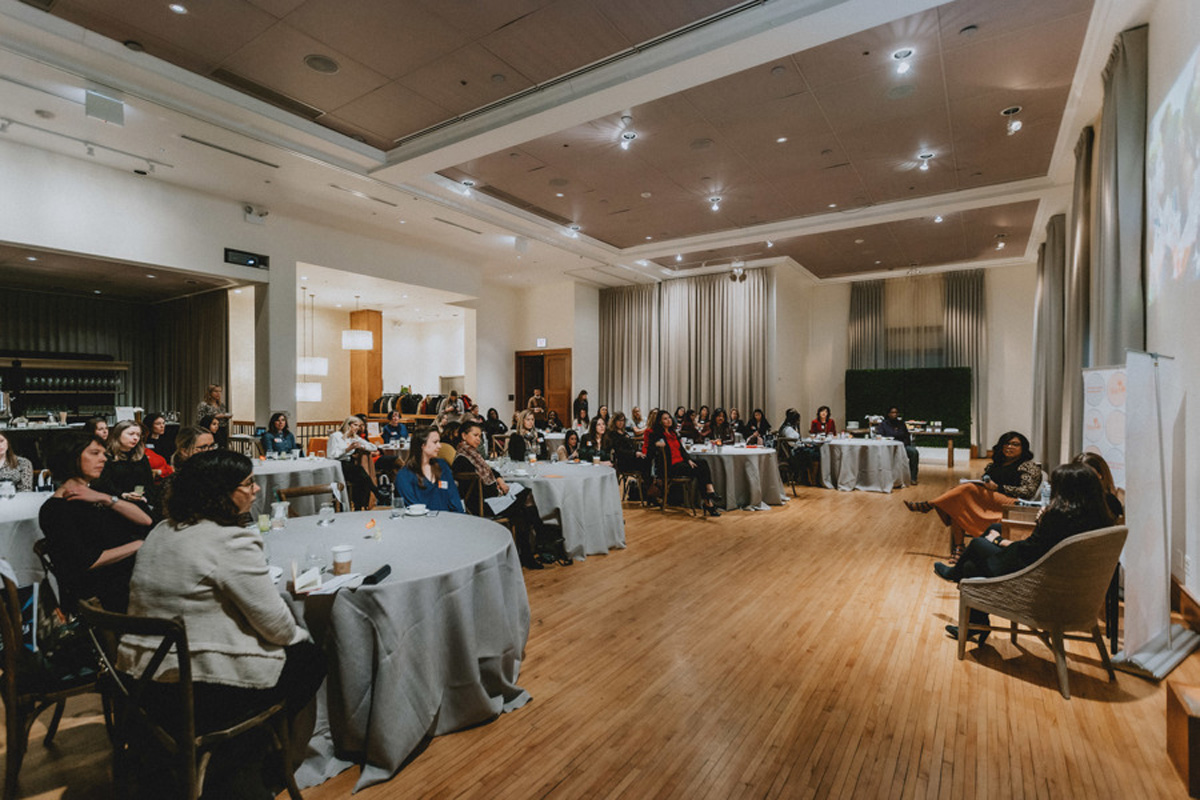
x=558 y=382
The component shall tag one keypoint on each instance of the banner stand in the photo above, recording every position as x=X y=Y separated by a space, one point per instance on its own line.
x=1160 y=655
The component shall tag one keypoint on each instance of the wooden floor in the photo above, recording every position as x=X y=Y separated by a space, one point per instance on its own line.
x=791 y=653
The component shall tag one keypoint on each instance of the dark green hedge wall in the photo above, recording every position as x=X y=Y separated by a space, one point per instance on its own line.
x=936 y=393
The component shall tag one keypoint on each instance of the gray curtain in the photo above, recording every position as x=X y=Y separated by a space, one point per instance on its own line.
x=629 y=347
x=1076 y=296
x=1118 y=320
x=1046 y=430
x=685 y=342
x=966 y=340
x=191 y=350
x=867 y=325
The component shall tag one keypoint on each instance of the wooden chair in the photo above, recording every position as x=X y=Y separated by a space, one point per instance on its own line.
x=28 y=688
x=686 y=483
x=313 y=491
x=470 y=489
x=1061 y=592
x=783 y=450
x=317 y=444
x=154 y=713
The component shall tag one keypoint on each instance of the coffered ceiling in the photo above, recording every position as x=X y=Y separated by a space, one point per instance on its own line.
x=510 y=115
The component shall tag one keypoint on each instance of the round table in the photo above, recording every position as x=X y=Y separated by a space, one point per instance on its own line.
x=434 y=648
x=872 y=465
x=747 y=477
x=19 y=529
x=585 y=496
x=287 y=473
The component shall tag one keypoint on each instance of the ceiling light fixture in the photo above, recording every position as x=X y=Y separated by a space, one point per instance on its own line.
x=999 y=245
x=1011 y=123
x=322 y=64
x=781 y=140
x=91 y=151
x=355 y=339
x=178 y=8
x=309 y=391
x=467 y=184
x=715 y=203
x=903 y=55
x=626 y=138
x=31 y=258
x=925 y=159
x=770 y=244
x=678 y=257
x=938 y=218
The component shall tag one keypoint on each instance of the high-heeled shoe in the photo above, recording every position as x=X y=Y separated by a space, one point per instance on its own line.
x=945 y=572
x=919 y=507
x=978 y=637
x=712 y=511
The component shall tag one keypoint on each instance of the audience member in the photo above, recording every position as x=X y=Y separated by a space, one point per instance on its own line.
x=758 y=428
x=823 y=423
x=637 y=423
x=553 y=423
x=537 y=404
x=278 y=438
x=581 y=422
x=592 y=445
x=662 y=434
x=354 y=452
x=154 y=436
x=736 y=422
x=580 y=404
x=893 y=427
x=525 y=438
x=569 y=449
x=15 y=468
x=128 y=472
x=98 y=427
x=189 y=441
x=426 y=478
x=212 y=406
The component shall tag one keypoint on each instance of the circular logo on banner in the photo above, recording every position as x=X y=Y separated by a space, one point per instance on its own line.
x=1116 y=464
x=1093 y=426
x=1116 y=389
x=1115 y=427
x=1094 y=388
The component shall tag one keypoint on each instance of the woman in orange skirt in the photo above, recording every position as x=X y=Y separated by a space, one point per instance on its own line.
x=969 y=508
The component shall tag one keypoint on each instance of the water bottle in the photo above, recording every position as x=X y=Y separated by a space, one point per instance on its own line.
x=1045 y=493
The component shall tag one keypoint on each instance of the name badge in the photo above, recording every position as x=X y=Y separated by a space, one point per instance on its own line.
x=278 y=440
x=441 y=484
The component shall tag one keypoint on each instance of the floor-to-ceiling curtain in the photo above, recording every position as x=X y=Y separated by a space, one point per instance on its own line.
x=1076 y=295
x=1118 y=320
x=629 y=347
x=1046 y=429
x=686 y=342
x=966 y=341
x=191 y=350
x=866 y=326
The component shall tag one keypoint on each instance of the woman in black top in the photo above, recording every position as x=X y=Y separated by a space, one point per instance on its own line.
x=553 y=423
x=580 y=404
x=525 y=438
x=92 y=536
x=493 y=426
x=720 y=431
x=1076 y=505
x=758 y=428
x=155 y=436
x=626 y=451
x=661 y=430
x=213 y=425
x=592 y=445
x=128 y=473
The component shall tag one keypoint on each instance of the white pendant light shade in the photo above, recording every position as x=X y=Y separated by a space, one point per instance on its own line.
x=308 y=392
x=312 y=365
x=357 y=340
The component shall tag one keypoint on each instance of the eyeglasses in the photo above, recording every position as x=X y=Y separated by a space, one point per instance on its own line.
x=246 y=484
x=200 y=448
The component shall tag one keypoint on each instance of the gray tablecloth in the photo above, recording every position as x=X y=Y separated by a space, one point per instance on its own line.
x=434 y=648
x=285 y=474
x=588 y=499
x=19 y=529
x=747 y=477
x=873 y=465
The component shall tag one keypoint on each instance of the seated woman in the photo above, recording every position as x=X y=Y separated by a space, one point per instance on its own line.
x=354 y=452
x=394 y=429
x=92 y=536
x=823 y=423
x=213 y=425
x=201 y=565
x=680 y=416
x=969 y=508
x=627 y=455
x=189 y=442
x=592 y=446
x=277 y=438
x=523 y=511
x=662 y=431
x=720 y=431
x=758 y=428
x=553 y=423
x=427 y=479
x=1096 y=461
x=893 y=427
x=525 y=438
x=581 y=422
x=637 y=423
x=128 y=473
x=569 y=449
x=493 y=426
x=688 y=429
x=1076 y=505
x=789 y=431
x=97 y=427
x=704 y=422
x=154 y=436
x=15 y=468
x=736 y=422
x=603 y=412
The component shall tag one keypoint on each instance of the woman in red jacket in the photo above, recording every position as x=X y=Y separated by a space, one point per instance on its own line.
x=662 y=429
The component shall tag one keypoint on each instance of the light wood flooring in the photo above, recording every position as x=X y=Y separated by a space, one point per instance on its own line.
x=792 y=653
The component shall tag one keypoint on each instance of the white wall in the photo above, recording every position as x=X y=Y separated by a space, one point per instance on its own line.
x=1172 y=322
x=585 y=352
x=1010 y=296
x=498 y=319
x=788 y=355
x=828 y=350
x=327 y=327
x=241 y=355
x=416 y=354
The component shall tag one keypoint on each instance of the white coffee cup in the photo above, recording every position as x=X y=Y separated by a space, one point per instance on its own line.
x=416 y=508
x=342 y=553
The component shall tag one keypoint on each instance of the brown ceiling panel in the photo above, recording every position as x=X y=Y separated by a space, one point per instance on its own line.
x=477 y=18
x=390 y=108
x=276 y=60
x=992 y=19
x=464 y=80
x=122 y=31
x=870 y=52
x=1032 y=60
x=278 y=8
x=389 y=37
x=508 y=166
x=211 y=30
x=640 y=21
x=556 y=39
x=67 y=274
x=746 y=92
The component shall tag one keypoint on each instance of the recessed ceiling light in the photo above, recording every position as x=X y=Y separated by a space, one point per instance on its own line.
x=925 y=158
x=150 y=276
x=714 y=203
x=499 y=78
x=44 y=114
x=968 y=31
x=878 y=262
x=938 y=218
x=770 y=244
x=641 y=262
x=339 y=305
x=178 y=8
x=134 y=45
x=859 y=241
x=999 y=245
x=404 y=295
x=467 y=182
x=833 y=205
x=95 y=291
x=31 y=258
x=558 y=194
x=575 y=227
x=237 y=291
x=303 y=277
x=648 y=238
x=678 y=257
x=322 y=64
x=646 y=195
x=780 y=140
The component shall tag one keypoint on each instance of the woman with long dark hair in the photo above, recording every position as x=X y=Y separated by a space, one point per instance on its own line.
x=970 y=508
x=1076 y=505
x=823 y=422
x=758 y=428
x=569 y=449
x=426 y=478
x=278 y=438
x=662 y=430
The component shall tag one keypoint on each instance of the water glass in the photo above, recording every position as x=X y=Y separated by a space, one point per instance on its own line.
x=8 y=490
x=264 y=523
x=325 y=515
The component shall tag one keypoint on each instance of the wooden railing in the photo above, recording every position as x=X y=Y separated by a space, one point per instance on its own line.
x=303 y=431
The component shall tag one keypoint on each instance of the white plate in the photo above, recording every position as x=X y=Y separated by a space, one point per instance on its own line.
x=412 y=513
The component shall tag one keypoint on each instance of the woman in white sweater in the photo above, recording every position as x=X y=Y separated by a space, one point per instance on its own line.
x=199 y=564
x=349 y=447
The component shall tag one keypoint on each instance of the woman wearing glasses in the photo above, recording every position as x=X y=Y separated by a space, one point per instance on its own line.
x=190 y=441
x=970 y=508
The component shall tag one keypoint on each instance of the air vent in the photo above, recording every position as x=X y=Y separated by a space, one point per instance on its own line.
x=194 y=140
x=40 y=5
x=266 y=95
x=456 y=225
x=505 y=197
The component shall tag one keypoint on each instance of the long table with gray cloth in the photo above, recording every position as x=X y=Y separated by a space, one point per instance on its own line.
x=19 y=529
x=872 y=465
x=585 y=496
x=288 y=473
x=435 y=647
x=747 y=477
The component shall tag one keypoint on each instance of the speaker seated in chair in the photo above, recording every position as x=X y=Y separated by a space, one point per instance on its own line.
x=676 y=467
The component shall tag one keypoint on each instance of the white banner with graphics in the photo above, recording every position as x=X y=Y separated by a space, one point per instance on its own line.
x=1104 y=417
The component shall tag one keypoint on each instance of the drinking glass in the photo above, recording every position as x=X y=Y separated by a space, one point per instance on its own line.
x=325 y=515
